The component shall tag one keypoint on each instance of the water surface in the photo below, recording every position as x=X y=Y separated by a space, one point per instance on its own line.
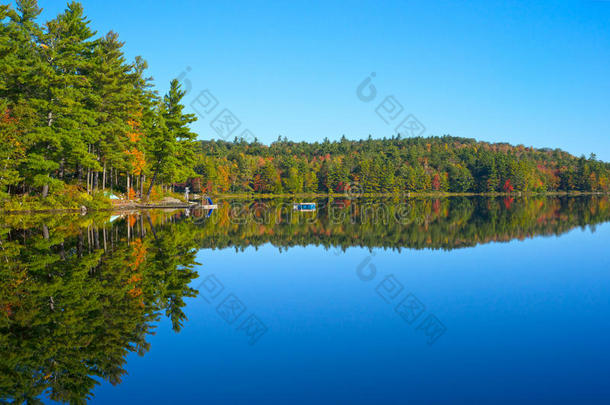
x=423 y=301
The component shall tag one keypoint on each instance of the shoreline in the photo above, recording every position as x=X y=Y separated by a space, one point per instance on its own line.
x=139 y=206
x=117 y=208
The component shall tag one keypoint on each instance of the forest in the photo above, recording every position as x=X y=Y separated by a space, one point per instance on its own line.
x=78 y=121
x=77 y=117
x=393 y=166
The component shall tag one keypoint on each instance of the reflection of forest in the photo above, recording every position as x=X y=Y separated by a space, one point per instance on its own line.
x=446 y=223
x=78 y=293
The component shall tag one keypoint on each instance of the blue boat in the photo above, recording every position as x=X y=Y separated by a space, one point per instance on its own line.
x=304 y=207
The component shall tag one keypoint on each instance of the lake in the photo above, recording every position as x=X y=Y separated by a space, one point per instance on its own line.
x=453 y=300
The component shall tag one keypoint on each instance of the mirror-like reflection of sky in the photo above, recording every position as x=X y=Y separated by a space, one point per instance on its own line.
x=526 y=321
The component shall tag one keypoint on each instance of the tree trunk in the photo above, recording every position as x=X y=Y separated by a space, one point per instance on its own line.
x=128 y=223
x=152 y=183
x=104 y=235
x=96 y=237
x=88 y=170
x=128 y=187
x=142 y=230
x=88 y=181
x=45 y=191
x=152 y=227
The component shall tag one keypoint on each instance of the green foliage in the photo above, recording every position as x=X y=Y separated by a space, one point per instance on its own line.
x=74 y=111
x=171 y=143
x=395 y=165
x=77 y=295
x=65 y=197
x=396 y=223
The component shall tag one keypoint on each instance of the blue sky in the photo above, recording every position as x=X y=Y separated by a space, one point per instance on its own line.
x=533 y=73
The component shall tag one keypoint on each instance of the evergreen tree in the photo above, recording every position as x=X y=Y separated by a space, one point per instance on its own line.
x=171 y=143
x=68 y=135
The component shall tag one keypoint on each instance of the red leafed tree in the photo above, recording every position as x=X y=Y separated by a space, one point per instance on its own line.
x=257 y=183
x=341 y=187
x=436 y=206
x=436 y=182
x=508 y=187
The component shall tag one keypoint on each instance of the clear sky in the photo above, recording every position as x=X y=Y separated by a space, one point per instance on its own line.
x=534 y=73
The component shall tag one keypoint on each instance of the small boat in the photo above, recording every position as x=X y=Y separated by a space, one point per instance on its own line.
x=307 y=207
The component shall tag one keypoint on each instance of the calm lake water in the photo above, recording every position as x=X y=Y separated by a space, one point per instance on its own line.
x=457 y=300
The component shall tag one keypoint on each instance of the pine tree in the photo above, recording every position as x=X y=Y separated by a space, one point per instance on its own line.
x=69 y=121
x=112 y=100
x=24 y=80
x=171 y=143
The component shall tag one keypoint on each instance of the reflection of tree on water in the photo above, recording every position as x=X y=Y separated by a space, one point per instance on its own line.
x=77 y=297
x=78 y=294
x=447 y=223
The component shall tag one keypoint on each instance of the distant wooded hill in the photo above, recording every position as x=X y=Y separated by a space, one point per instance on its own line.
x=394 y=165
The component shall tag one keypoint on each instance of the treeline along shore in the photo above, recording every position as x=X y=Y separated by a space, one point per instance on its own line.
x=394 y=165
x=80 y=123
